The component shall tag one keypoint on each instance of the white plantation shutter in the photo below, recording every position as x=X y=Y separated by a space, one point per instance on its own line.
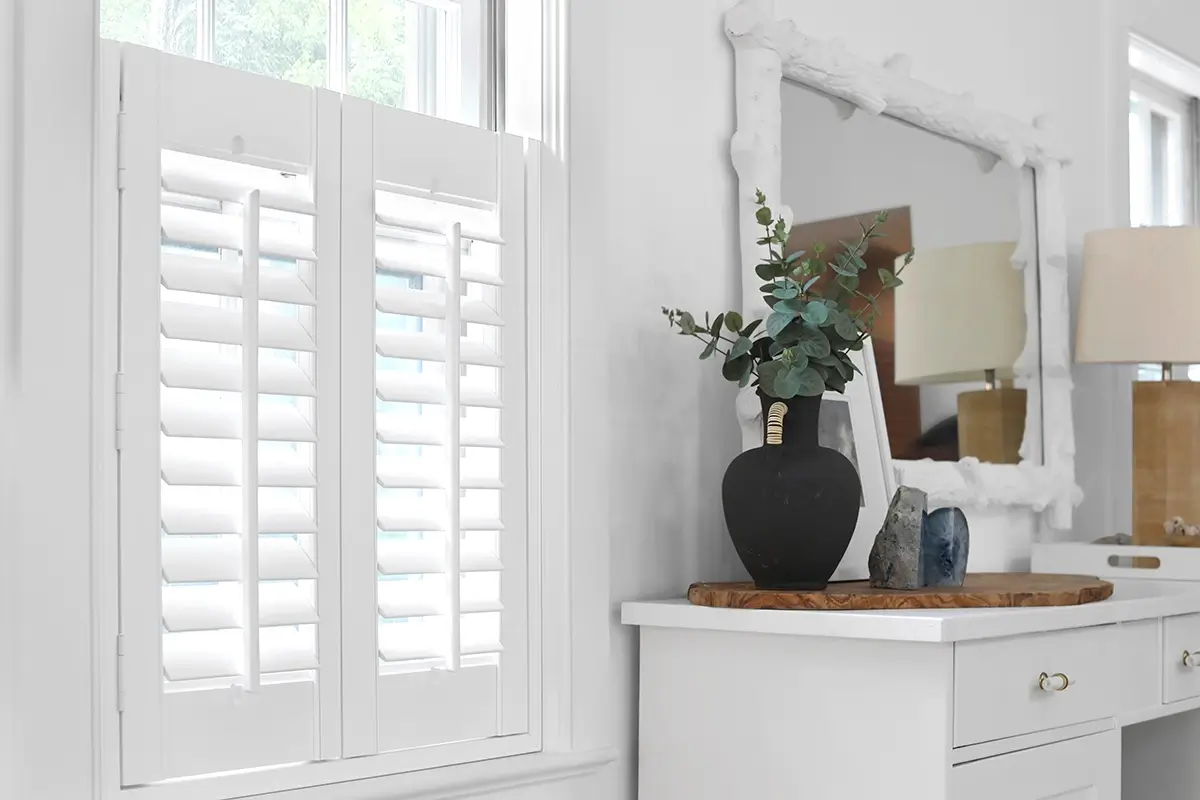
x=230 y=421
x=435 y=632
x=324 y=506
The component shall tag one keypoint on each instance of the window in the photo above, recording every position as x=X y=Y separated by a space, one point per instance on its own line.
x=1163 y=185
x=430 y=56
x=323 y=517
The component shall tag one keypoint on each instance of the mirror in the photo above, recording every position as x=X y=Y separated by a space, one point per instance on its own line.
x=947 y=340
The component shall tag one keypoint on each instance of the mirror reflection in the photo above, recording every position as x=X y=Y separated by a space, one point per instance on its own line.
x=946 y=340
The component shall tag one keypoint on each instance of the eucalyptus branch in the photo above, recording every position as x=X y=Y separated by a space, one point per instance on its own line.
x=797 y=327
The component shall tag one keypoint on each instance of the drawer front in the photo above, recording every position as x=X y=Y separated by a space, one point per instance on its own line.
x=1079 y=769
x=1181 y=636
x=998 y=690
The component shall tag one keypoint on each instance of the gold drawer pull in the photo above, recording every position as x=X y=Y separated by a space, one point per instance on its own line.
x=1058 y=682
x=1191 y=659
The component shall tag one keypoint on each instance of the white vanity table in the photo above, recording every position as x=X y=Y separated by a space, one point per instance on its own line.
x=977 y=704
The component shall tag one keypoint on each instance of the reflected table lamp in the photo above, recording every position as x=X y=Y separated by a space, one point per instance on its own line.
x=960 y=318
x=1137 y=305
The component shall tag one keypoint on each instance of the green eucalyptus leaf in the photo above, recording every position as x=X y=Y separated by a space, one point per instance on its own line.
x=740 y=348
x=733 y=368
x=846 y=328
x=857 y=344
x=822 y=370
x=807 y=382
x=708 y=349
x=763 y=216
x=812 y=342
x=687 y=323
x=815 y=312
x=787 y=291
x=747 y=373
x=787 y=383
x=760 y=199
x=809 y=284
x=765 y=271
x=753 y=326
x=776 y=349
x=842 y=265
x=777 y=322
x=793 y=306
x=793 y=257
x=715 y=328
x=836 y=383
x=835 y=363
x=733 y=321
x=767 y=373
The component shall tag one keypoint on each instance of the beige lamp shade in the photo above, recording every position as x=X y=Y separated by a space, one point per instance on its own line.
x=1139 y=297
x=959 y=313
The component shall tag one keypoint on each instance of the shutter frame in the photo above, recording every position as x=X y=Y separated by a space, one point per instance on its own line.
x=168 y=733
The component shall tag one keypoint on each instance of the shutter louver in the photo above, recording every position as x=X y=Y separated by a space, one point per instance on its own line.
x=433 y=321
x=212 y=308
x=230 y=323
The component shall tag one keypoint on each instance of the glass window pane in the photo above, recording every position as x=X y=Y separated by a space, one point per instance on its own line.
x=378 y=50
x=286 y=39
x=168 y=25
x=425 y=56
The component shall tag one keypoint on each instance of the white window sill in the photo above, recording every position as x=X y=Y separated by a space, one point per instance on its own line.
x=448 y=783
x=464 y=780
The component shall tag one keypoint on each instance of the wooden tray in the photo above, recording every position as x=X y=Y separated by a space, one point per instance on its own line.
x=981 y=590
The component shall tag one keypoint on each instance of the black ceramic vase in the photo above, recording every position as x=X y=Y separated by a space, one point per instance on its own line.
x=791 y=508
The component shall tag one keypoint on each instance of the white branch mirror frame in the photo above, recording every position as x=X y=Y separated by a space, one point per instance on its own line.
x=769 y=49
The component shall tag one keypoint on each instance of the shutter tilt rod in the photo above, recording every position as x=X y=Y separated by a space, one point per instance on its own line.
x=250 y=221
x=453 y=462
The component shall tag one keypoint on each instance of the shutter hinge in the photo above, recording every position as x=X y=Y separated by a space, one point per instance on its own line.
x=121 y=147
x=119 y=409
x=120 y=672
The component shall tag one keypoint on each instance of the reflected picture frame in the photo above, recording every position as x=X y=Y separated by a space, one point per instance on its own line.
x=853 y=424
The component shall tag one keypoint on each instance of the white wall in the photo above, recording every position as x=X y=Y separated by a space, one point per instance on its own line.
x=652 y=201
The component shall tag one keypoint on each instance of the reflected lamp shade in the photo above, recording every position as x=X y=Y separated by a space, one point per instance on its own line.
x=959 y=314
x=1138 y=298
x=1137 y=304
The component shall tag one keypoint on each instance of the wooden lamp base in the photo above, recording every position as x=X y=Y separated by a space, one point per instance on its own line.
x=1166 y=457
x=991 y=424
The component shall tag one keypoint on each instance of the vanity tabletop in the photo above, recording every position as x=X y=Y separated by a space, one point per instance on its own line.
x=1131 y=600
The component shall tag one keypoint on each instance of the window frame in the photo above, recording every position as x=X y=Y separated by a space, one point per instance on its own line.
x=1170 y=86
x=479 y=19
x=66 y=403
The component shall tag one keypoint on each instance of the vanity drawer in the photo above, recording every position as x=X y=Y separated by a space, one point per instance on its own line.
x=999 y=691
x=1181 y=677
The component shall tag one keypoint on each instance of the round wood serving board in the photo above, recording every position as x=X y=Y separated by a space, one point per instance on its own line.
x=981 y=590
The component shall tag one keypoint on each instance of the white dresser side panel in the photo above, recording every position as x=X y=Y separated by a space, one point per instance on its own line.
x=1159 y=758
x=741 y=715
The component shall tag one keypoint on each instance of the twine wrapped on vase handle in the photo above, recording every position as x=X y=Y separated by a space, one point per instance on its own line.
x=775 y=423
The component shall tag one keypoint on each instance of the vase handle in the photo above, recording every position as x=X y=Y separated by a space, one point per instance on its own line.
x=775 y=423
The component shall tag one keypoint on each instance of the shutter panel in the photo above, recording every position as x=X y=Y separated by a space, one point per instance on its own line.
x=435 y=605
x=230 y=240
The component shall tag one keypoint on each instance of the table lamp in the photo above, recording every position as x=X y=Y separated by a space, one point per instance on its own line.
x=960 y=318
x=1137 y=304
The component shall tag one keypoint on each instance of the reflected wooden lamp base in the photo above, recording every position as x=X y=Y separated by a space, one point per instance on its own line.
x=1166 y=457
x=991 y=424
